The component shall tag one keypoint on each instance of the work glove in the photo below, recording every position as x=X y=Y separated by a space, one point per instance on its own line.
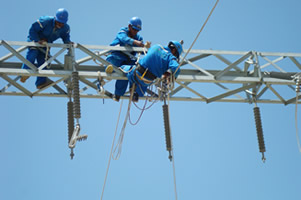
x=147 y=44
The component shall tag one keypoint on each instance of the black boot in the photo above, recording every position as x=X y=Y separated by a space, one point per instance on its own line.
x=116 y=97
x=135 y=97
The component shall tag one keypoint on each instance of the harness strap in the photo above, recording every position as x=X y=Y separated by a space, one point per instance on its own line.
x=136 y=75
x=144 y=73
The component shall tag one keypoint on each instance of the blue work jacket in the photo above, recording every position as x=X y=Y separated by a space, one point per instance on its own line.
x=123 y=39
x=44 y=28
x=158 y=60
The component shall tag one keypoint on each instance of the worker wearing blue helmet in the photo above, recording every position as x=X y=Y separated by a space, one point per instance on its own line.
x=127 y=36
x=46 y=29
x=158 y=62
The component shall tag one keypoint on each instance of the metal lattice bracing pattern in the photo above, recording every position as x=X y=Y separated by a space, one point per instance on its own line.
x=206 y=75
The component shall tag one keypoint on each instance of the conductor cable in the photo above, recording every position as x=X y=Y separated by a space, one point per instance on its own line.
x=197 y=36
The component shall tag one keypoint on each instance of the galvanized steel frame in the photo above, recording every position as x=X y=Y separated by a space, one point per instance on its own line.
x=250 y=77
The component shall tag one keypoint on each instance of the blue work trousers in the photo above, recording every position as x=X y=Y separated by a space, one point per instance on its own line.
x=120 y=85
x=32 y=55
x=141 y=86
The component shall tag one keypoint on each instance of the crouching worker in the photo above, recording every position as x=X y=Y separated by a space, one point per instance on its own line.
x=46 y=29
x=158 y=61
x=127 y=36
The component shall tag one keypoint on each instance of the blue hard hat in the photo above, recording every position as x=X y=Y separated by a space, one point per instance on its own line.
x=177 y=45
x=136 y=23
x=61 y=15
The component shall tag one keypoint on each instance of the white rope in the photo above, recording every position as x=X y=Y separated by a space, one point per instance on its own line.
x=142 y=110
x=152 y=97
x=94 y=59
x=197 y=35
x=120 y=140
x=118 y=146
x=149 y=97
x=47 y=51
x=107 y=172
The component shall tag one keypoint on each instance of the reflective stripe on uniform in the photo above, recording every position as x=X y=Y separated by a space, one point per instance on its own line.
x=40 y=24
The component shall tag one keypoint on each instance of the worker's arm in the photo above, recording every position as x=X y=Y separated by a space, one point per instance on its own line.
x=124 y=38
x=66 y=34
x=138 y=43
x=173 y=66
x=34 y=30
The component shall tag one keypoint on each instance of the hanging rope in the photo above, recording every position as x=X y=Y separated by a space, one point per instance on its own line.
x=142 y=110
x=197 y=36
x=47 y=51
x=111 y=153
x=118 y=146
x=120 y=140
x=144 y=107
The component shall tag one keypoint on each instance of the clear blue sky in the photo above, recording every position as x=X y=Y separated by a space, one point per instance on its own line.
x=215 y=145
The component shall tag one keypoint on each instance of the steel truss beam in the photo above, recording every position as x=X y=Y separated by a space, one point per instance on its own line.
x=206 y=75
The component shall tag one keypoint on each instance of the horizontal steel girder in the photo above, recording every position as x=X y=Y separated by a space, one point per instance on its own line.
x=206 y=75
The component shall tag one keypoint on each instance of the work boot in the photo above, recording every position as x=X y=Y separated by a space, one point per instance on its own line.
x=24 y=78
x=116 y=97
x=135 y=97
x=47 y=82
x=109 y=69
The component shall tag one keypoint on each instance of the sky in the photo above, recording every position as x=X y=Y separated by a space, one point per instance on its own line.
x=215 y=145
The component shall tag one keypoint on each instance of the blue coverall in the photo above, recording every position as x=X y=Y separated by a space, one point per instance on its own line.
x=117 y=58
x=44 y=28
x=158 y=60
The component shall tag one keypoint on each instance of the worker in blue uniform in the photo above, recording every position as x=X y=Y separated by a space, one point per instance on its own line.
x=46 y=29
x=158 y=62
x=127 y=36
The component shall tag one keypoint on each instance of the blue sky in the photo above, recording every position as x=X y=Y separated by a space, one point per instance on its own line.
x=215 y=145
